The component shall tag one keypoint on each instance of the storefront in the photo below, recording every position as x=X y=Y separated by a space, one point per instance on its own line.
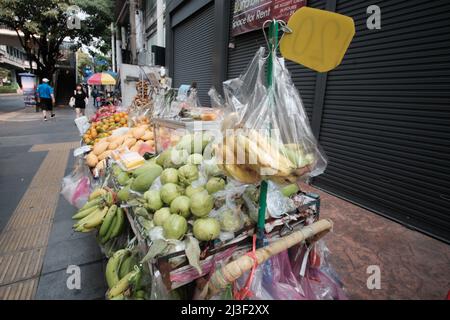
x=190 y=45
x=381 y=116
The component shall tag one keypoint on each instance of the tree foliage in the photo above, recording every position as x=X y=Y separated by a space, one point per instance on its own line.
x=43 y=27
x=84 y=60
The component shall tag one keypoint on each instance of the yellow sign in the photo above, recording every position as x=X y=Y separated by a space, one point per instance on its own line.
x=319 y=38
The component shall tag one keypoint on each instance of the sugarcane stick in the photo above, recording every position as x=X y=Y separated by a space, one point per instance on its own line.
x=235 y=269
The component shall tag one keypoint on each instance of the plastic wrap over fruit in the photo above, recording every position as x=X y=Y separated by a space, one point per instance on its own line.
x=268 y=136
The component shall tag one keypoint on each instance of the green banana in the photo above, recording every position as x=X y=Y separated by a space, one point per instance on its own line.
x=122 y=285
x=127 y=265
x=137 y=281
x=109 y=198
x=108 y=219
x=118 y=226
x=96 y=219
x=82 y=221
x=290 y=190
x=84 y=213
x=140 y=294
x=112 y=267
x=107 y=236
x=92 y=203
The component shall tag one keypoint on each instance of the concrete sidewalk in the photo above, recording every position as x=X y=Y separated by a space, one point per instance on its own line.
x=37 y=243
x=412 y=265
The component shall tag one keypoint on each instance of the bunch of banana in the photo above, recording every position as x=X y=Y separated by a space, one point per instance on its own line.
x=123 y=272
x=99 y=198
x=248 y=157
x=100 y=210
x=112 y=224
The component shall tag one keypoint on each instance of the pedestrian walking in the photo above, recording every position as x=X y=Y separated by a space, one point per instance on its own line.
x=95 y=95
x=45 y=98
x=80 y=100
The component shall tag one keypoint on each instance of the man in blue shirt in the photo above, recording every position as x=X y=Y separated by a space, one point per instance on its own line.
x=45 y=97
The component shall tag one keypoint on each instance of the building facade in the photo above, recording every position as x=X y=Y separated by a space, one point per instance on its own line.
x=139 y=26
x=382 y=116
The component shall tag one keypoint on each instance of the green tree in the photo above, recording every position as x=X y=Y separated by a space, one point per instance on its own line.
x=83 y=60
x=4 y=73
x=41 y=26
x=101 y=62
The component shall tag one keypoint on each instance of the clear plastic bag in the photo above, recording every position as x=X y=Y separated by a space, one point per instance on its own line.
x=277 y=203
x=273 y=280
x=76 y=186
x=231 y=219
x=268 y=135
x=312 y=270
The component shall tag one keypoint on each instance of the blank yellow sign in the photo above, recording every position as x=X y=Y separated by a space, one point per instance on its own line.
x=319 y=38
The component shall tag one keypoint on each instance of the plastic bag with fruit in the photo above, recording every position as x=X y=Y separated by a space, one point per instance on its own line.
x=76 y=186
x=268 y=135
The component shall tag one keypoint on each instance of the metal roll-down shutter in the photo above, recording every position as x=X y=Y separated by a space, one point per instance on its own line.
x=193 y=50
x=386 y=116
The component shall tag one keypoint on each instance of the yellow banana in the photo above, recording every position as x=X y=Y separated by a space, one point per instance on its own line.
x=97 y=193
x=88 y=217
x=95 y=219
x=82 y=229
x=122 y=285
x=113 y=266
x=84 y=213
x=242 y=173
x=280 y=162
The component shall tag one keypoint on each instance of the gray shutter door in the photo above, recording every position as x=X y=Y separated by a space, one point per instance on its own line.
x=386 y=119
x=193 y=51
x=245 y=47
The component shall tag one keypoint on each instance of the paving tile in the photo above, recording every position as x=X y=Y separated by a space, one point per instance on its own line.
x=75 y=251
x=54 y=285
x=22 y=290
x=412 y=265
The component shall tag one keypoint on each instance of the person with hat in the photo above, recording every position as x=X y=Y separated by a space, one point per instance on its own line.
x=46 y=98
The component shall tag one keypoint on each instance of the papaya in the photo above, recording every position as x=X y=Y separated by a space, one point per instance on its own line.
x=143 y=181
x=142 y=169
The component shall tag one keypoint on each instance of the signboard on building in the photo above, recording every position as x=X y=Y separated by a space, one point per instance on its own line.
x=249 y=15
